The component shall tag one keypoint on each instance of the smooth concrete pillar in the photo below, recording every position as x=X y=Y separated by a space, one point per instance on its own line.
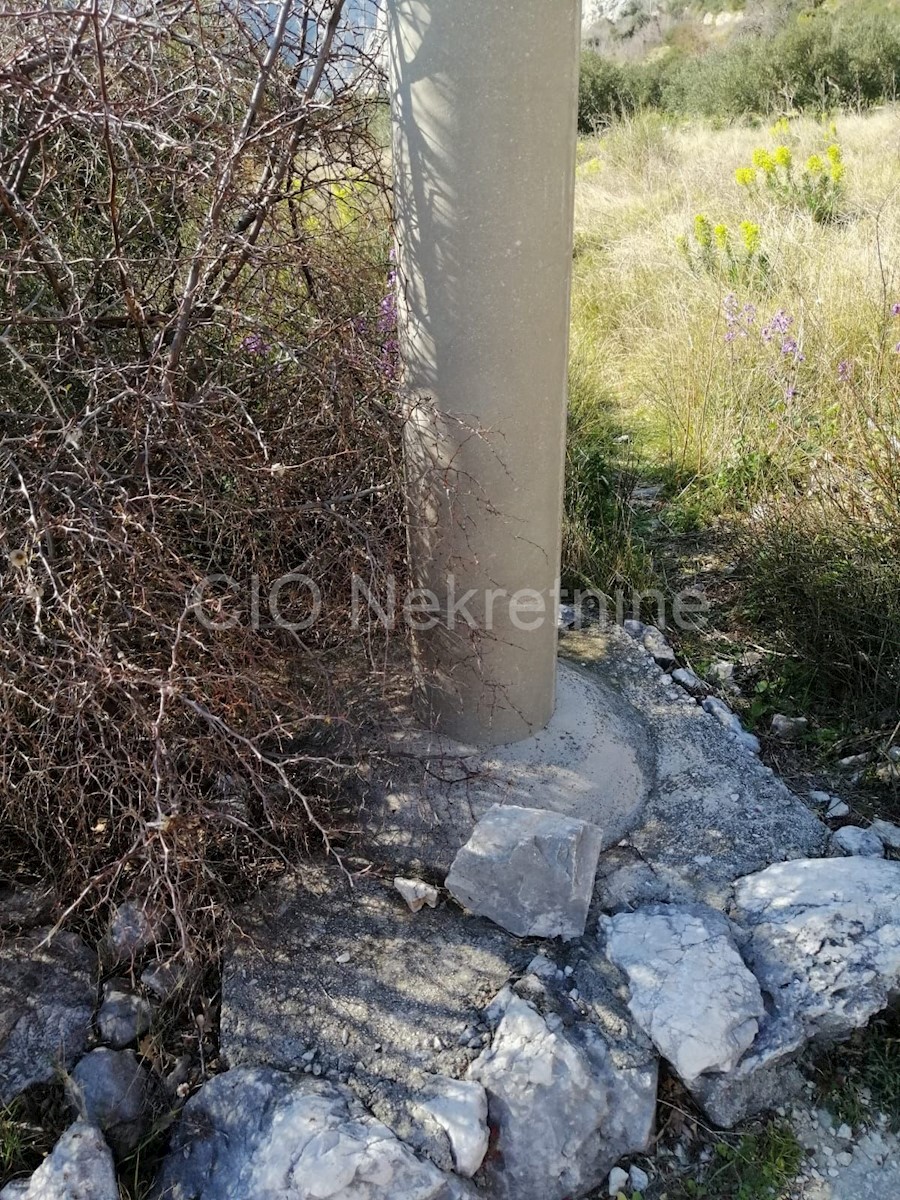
x=484 y=101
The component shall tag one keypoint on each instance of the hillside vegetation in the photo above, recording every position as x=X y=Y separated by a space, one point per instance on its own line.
x=737 y=339
x=779 y=58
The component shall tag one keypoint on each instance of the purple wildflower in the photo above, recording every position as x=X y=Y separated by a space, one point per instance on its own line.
x=254 y=343
x=790 y=392
x=895 y=309
x=845 y=371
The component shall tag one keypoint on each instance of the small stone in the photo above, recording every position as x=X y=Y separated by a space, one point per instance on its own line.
x=888 y=833
x=844 y=1159
x=837 y=809
x=111 y=1090
x=417 y=894
x=638 y=1179
x=820 y=799
x=853 y=840
x=720 y=712
x=134 y=927
x=460 y=1107
x=530 y=871
x=845 y=1133
x=854 y=762
x=343 y=957
x=618 y=1179
x=749 y=741
x=690 y=681
x=124 y=1014
x=164 y=979
x=660 y=650
x=567 y=616
x=789 y=728
x=634 y=629
x=721 y=673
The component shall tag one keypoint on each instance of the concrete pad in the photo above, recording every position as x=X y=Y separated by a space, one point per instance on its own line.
x=688 y=806
x=714 y=812
x=594 y=762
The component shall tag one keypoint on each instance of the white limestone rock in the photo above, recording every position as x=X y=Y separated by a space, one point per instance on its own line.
x=854 y=840
x=618 y=1179
x=689 y=988
x=80 y=1167
x=417 y=894
x=824 y=942
x=887 y=833
x=528 y=870
x=638 y=1178
x=46 y=1003
x=257 y=1134
x=720 y=712
x=789 y=729
x=564 y=1108
x=460 y=1107
x=690 y=681
x=660 y=650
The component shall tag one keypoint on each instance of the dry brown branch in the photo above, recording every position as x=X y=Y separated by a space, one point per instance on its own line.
x=196 y=381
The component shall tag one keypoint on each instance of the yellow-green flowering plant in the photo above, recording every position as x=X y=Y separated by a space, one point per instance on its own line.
x=817 y=186
x=736 y=258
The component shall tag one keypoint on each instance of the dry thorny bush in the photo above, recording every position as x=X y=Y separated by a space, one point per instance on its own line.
x=195 y=380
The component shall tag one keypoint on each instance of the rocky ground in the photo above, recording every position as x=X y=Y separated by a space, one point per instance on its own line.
x=416 y=1024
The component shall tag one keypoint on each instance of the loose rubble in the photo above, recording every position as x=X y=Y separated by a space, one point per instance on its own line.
x=260 y=1134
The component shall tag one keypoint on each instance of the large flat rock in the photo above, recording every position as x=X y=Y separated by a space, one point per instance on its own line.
x=689 y=988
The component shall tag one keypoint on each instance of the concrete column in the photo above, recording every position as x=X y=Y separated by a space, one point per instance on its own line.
x=484 y=99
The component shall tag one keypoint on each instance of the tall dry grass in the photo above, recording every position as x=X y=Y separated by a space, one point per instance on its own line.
x=796 y=424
